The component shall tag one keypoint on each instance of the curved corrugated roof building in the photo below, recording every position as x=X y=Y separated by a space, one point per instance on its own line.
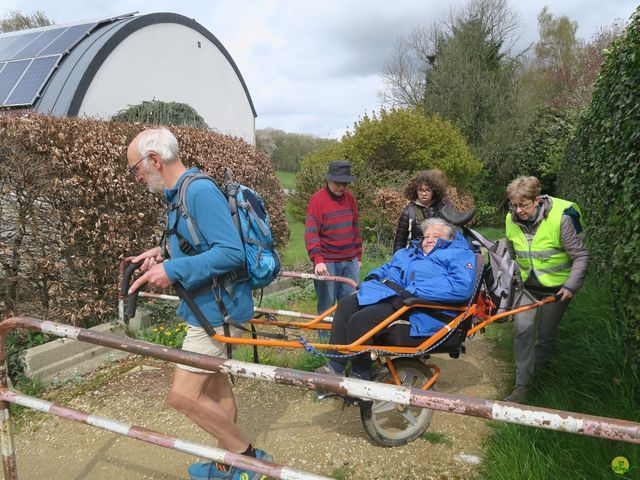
x=97 y=68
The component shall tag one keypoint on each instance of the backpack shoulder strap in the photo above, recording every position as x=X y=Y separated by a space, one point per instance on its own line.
x=411 y=214
x=419 y=213
x=182 y=202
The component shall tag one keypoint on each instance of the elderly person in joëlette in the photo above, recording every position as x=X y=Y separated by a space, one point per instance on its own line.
x=439 y=268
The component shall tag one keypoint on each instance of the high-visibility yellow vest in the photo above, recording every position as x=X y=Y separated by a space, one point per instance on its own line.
x=544 y=256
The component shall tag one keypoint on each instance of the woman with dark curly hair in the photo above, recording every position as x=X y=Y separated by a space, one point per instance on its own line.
x=427 y=194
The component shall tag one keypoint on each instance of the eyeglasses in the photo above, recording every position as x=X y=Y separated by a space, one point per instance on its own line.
x=425 y=189
x=133 y=170
x=522 y=206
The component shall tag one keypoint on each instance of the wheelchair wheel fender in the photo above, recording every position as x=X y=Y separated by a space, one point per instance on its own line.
x=390 y=424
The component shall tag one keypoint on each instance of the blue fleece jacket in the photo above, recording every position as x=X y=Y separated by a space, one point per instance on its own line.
x=445 y=274
x=220 y=251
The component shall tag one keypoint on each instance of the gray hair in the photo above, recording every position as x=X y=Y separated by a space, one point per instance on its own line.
x=437 y=221
x=524 y=187
x=161 y=141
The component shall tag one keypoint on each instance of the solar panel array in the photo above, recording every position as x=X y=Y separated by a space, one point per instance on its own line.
x=27 y=61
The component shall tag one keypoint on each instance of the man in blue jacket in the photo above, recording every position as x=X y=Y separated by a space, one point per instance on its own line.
x=441 y=269
x=203 y=396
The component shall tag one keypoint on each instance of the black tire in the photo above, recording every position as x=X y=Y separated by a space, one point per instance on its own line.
x=390 y=424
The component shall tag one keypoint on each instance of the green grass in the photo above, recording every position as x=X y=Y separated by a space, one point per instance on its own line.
x=287 y=179
x=372 y=257
x=299 y=301
x=491 y=233
x=342 y=473
x=436 y=437
x=281 y=357
x=590 y=373
x=295 y=256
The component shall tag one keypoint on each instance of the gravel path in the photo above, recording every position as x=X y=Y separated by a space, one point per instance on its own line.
x=302 y=432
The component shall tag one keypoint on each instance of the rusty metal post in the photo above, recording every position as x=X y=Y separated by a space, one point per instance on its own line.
x=160 y=439
x=6 y=430
x=590 y=425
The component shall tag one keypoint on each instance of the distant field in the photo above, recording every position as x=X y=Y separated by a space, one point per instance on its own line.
x=295 y=256
x=287 y=179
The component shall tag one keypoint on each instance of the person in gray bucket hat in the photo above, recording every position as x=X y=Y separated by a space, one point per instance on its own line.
x=332 y=236
x=340 y=171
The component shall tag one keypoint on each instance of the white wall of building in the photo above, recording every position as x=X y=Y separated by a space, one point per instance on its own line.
x=172 y=63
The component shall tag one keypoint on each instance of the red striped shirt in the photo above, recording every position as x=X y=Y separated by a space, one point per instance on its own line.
x=332 y=230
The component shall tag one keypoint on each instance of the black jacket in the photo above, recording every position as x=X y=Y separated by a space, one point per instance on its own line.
x=410 y=213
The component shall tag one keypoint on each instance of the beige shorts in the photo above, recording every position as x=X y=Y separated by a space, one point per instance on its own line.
x=198 y=341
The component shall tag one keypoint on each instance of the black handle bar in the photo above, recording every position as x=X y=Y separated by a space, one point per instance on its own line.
x=132 y=298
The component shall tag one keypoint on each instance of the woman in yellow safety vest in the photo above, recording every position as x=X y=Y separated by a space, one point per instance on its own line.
x=544 y=237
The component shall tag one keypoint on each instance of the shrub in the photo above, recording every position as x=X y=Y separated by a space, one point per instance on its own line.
x=162 y=113
x=385 y=151
x=69 y=212
x=601 y=171
x=406 y=140
x=169 y=335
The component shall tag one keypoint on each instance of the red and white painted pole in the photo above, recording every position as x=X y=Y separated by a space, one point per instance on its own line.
x=590 y=425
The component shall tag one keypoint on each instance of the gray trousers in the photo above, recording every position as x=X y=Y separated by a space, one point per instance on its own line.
x=535 y=335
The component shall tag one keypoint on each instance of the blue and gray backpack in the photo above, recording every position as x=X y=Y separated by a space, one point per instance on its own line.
x=254 y=226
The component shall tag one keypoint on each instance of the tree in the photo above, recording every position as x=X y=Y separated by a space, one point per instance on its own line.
x=556 y=54
x=473 y=84
x=265 y=141
x=405 y=73
x=407 y=140
x=462 y=68
x=543 y=147
x=285 y=150
x=568 y=66
x=16 y=20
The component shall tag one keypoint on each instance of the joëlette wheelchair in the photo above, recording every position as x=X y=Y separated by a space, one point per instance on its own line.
x=386 y=423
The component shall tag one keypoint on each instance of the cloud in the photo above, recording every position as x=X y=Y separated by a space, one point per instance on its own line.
x=313 y=66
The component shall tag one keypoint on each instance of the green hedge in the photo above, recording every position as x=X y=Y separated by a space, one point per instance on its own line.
x=601 y=169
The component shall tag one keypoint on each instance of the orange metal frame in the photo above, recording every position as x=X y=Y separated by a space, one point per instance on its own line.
x=357 y=345
x=478 y=309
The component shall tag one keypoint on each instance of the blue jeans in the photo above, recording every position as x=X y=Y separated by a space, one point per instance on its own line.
x=328 y=293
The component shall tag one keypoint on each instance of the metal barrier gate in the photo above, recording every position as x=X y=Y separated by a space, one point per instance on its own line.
x=590 y=425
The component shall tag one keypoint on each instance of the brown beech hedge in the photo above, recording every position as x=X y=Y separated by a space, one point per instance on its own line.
x=69 y=211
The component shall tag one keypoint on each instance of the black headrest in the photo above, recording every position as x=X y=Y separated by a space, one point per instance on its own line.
x=451 y=215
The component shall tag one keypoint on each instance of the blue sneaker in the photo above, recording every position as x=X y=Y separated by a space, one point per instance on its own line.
x=206 y=471
x=240 y=474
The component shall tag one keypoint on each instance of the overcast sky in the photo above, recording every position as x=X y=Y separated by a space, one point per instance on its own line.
x=313 y=66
